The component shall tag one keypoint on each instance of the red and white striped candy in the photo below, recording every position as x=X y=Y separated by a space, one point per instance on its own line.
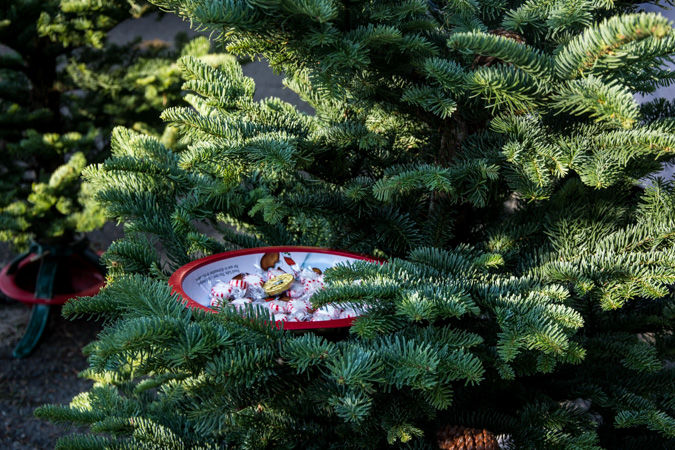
x=348 y=314
x=312 y=286
x=239 y=284
x=277 y=306
x=296 y=292
x=216 y=302
x=254 y=280
x=329 y=311
x=298 y=317
x=280 y=317
x=296 y=306
x=308 y=274
x=221 y=290
x=273 y=273
x=319 y=318
x=240 y=303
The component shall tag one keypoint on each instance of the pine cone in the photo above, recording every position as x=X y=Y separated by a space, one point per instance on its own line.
x=508 y=34
x=487 y=61
x=457 y=437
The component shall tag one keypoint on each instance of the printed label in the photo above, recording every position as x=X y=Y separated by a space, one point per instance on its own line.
x=225 y=273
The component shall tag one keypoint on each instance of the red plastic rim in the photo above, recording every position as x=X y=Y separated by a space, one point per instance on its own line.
x=177 y=278
x=85 y=279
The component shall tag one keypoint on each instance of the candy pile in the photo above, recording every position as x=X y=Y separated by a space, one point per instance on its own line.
x=286 y=295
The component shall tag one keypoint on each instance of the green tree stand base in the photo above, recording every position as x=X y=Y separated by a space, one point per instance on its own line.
x=48 y=276
x=39 y=317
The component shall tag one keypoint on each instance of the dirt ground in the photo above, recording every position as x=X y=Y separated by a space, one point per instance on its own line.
x=49 y=374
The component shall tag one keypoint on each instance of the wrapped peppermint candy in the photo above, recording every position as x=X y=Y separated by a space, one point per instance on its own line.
x=298 y=306
x=299 y=317
x=254 y=285
x=311 y=286
x=273 y=273
x=329 y=311
x=255 y=291
x=221 y=290
x=348 y=313
x=253 y=280
x=216 y=302
x=297 y=290
x=240 y=303
x=238 y=288
x=319 y=318
x=280 y=317
x=308 y=274
x=277 y=306
x=239 y=284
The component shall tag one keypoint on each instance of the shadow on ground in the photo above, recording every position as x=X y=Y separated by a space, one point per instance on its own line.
x=49 y=375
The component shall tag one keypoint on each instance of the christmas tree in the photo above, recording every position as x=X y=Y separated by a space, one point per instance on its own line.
x=491 y=151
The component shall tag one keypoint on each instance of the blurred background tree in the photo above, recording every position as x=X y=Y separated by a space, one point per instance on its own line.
x=63 y=88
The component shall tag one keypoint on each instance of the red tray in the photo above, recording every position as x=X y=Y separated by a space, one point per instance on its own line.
x=193 y=280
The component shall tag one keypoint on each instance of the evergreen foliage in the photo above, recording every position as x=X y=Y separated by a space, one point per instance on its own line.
x=63 y=88
x=491 y=151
